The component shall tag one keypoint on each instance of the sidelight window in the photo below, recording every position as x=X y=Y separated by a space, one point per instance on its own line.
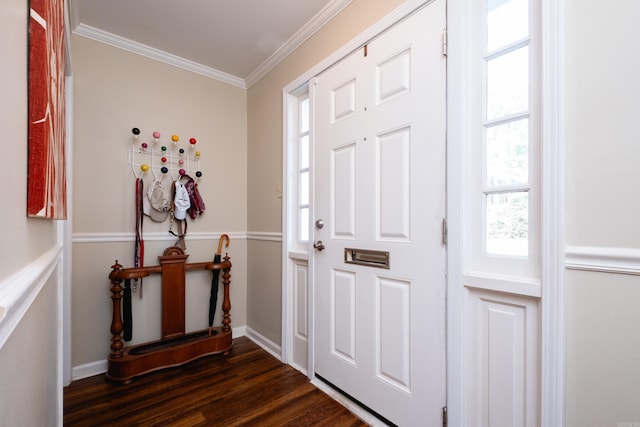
x=303 y=169
x=505 y=170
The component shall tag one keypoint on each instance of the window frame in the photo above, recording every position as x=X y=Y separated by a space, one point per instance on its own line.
x=295 y=171
x=478 y=261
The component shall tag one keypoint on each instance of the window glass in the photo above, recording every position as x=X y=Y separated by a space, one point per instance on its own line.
x=304 y=115
x=508 y=153
x=304 y=152
x=507 y=224
x=508 y=83
x=303 y=167
x=304 y=188
x=507 y=22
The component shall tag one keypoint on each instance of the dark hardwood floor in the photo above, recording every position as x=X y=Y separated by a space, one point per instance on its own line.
x=248 y=387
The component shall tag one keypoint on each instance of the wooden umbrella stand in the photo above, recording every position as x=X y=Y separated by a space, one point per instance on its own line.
x=175 y=347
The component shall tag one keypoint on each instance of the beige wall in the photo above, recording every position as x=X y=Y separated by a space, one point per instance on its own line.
x=29 y=238
x=265 y=156
x=29 y=357
x=603 y=349
x=114 y=91
x=603 y=210
x=602 y=123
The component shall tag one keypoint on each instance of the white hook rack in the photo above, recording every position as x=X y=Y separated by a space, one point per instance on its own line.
x=162 y=159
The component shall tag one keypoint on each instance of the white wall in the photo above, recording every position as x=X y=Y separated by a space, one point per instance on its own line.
x=602 y=128
x=30 y=395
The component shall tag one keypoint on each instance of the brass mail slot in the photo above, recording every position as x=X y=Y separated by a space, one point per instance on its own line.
x=367 y=257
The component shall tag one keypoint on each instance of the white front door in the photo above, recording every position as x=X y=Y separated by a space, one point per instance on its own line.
x=379 y=188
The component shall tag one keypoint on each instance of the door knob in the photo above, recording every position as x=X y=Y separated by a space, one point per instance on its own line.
x=318 y=245
x=319 y=224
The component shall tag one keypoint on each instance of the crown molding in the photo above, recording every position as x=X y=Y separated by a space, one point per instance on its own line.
x=157 y=54
x=308 y=30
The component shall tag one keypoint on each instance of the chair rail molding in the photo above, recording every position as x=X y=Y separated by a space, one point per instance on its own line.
x=156 y=236
x=603 y=259
x=18 y=291
x=264 y=235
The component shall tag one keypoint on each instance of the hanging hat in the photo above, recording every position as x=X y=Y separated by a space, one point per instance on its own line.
x=157 y=202
x=181 y=202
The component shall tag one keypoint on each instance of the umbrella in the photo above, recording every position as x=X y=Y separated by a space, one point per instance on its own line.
x=213 y=300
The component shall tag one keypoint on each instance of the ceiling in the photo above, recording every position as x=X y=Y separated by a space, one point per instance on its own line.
x=236 y=41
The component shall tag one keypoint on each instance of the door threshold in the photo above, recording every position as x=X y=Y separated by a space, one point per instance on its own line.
x=363 y=412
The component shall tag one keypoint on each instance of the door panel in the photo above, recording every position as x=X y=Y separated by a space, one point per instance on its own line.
x=393 y=179
x=343 y=322
x=393 y=321
x=503 y=360
x=343 y=191
x=300 y=316
x=379 y=185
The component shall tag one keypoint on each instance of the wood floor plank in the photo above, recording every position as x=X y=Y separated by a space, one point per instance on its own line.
x=248 y=387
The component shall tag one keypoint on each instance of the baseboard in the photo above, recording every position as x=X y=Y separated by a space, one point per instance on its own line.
x=100 y=367
x=269 y=346
x=88 y=370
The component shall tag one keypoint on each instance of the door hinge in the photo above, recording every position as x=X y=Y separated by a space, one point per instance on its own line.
x=444 y=231
x=444 y=416
x=444 y=42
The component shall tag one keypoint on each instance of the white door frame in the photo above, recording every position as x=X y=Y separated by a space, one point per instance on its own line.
x=553 y=246
x=288 y=101
x=65 y=228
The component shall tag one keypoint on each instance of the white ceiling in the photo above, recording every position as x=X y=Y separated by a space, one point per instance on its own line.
x=236 y=41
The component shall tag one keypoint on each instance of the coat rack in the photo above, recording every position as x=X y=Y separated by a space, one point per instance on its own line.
x=161 y=158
